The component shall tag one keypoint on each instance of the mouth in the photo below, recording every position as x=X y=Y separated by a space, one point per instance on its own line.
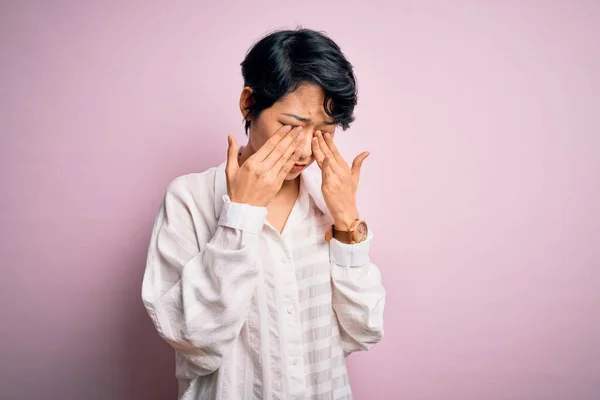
x=298 y=167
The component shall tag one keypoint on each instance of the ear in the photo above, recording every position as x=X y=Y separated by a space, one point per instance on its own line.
x=246 y=100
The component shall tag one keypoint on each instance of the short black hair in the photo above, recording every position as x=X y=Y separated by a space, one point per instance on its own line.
x=283 y=60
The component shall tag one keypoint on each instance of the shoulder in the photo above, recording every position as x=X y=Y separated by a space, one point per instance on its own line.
x=195 y=191
x=195 y=184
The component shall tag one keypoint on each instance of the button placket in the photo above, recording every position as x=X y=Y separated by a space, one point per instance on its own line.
x=293 y=328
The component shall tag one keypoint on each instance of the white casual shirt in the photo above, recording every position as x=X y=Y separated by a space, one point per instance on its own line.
x=252 y=313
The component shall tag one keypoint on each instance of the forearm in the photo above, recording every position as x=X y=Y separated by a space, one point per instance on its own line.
x=199 y=304
x=358 y=297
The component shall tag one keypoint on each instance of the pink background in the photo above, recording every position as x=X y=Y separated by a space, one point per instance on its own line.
x=482 y=188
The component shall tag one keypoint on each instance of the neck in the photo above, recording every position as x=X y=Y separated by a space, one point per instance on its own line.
x=290 y=188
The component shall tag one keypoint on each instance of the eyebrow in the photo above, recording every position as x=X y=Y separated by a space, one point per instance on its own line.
x=304 y=119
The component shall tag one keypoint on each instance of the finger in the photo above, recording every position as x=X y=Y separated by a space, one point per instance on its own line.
x=327 y=170
x=289 y=152
x=334 y=150
x=232 y=156
x=357 y=164
x=287 y=166
x=270 y=144
x=317 y=152
x=283 y=146
x=335 y=167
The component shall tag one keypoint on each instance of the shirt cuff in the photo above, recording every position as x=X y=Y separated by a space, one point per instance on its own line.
x=242 y=216
x=350 y=255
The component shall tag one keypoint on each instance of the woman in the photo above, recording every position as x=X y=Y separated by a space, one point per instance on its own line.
x=258 y=271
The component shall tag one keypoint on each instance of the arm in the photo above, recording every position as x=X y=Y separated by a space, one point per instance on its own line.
x=198 y=294
x=358 y=297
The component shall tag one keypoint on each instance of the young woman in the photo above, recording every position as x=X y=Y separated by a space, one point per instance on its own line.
x=258 y=271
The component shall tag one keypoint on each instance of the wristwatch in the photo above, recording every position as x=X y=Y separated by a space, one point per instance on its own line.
x=356 y=234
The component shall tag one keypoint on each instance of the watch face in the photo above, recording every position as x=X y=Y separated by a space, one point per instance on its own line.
x=361 y=232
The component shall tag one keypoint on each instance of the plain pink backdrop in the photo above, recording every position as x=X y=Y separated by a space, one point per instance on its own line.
x=482 y=188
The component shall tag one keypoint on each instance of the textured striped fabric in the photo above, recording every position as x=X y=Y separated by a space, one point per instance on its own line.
x=252 y=313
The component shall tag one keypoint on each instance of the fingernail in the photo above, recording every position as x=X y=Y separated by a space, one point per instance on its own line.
x=287 y=128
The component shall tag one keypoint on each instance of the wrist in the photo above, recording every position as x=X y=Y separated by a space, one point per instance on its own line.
x=356 y=233
x=344 y=222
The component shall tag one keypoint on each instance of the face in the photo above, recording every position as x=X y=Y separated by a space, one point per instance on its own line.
x=303 y=107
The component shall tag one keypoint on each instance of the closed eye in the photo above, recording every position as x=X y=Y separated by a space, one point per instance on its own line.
x=317 y=129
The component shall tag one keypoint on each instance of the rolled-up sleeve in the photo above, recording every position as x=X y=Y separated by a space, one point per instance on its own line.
x=198 y=295
x=358 y=295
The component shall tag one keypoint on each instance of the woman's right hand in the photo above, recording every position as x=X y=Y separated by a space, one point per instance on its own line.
x=260 y=177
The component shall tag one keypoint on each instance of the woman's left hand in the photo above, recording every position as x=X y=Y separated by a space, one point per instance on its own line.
x=340 y=181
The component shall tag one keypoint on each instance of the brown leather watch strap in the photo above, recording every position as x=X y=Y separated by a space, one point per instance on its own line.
x=342 y=236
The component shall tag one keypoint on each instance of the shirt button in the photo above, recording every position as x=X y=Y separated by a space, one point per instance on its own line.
x=284 y=260
x=295 y=362
x=290 y=310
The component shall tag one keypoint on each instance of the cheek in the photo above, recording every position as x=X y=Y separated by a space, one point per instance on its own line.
x=259 y=133
x=266 y=125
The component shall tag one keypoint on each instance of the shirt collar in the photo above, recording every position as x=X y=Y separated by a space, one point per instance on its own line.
x=311 y=185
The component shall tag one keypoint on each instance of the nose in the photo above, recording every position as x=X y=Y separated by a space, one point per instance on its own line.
x=306 y=145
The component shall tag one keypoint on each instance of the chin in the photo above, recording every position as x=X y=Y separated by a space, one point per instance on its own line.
x=292 y=175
